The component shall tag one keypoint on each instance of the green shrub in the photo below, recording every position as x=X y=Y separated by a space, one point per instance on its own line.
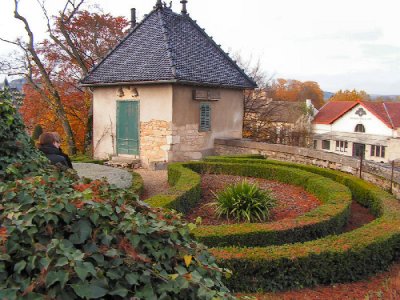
x=184 y=193
x=66 y=239
x=244 y=202
x=338 y=258
x=327 y=219
x=360 y=189
x=137 y=186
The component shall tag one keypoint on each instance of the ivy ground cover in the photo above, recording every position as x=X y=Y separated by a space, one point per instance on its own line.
x=62 y=237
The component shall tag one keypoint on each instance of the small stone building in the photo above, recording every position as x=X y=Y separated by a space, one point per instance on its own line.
x=165 y=92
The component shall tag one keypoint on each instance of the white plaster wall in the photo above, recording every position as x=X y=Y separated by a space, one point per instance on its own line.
x=393 y=149
x=104 y=119
x=373 y=125
x=155 y=104
x=321 y=128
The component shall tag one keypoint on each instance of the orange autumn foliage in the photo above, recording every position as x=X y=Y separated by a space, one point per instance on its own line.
x=295 y=90
x=348 y=95
x=76 y=103
x=92 y=36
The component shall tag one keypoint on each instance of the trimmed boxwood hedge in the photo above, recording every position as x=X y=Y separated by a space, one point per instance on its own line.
x=137 y=186
x=338 y=258
x=184 y=192
x=341 y=258
x=359 y=188
x=328 y=218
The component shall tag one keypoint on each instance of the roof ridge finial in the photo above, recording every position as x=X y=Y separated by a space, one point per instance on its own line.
x=158 y=4
x=184 y=10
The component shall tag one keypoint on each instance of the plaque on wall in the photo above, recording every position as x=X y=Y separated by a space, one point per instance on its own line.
x=361 y=112
x=200 y=95
x=211 y=95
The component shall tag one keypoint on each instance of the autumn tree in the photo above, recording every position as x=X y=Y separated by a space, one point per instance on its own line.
x=295 y=90
x=261 y=112
x=348 y=95
x=77 y=40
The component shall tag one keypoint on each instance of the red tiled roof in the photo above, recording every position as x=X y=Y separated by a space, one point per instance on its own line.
x=393 y=109
x=333 y=110
x=387 y=112
x=379 y=110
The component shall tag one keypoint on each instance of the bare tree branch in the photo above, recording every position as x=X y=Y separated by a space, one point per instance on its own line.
x=9 y=42
x=53 y=99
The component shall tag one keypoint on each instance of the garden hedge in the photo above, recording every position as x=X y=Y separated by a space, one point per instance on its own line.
x=184 y=192
x=339 y=258
x=137 y=186
x=359 y=188
x=328 y=218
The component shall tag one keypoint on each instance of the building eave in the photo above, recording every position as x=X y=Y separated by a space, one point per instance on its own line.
x=167 y=81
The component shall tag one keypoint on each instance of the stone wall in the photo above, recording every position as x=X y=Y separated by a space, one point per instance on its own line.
x=155 y=141
x=378 y=174
x=189 y=143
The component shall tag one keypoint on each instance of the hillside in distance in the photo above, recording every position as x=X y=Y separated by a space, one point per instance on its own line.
x=327 y=95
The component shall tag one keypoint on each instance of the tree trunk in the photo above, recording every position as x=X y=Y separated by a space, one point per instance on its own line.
x=89 y=132
x=68 y=131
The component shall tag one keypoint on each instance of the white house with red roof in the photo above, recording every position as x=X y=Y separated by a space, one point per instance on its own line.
x=355 y=128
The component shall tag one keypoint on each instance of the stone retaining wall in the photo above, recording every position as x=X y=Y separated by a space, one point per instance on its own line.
x=155 y=141
x=189 y=142
x=373 y=172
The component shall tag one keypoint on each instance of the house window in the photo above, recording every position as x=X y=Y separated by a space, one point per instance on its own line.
x=359 y=128
x=377 y=151
x=326 y=145
x=315 y=144
x=341 y=146
x=205 y=117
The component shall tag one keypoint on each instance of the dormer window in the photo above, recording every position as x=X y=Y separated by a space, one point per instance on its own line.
x=359 y=128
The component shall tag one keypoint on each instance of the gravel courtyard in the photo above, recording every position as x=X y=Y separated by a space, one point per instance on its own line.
x=121 y=178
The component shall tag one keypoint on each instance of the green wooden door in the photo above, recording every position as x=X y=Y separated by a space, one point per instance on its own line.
x=127 y=127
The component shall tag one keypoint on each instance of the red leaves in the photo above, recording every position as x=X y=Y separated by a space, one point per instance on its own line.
x=94 y=187
x=126 y=246
x=81 y=187
x=78 y=204
x=3 y=234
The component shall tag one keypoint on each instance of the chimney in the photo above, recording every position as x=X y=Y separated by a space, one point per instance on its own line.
x=184 y=10
x=133 y=17
x=158 y=4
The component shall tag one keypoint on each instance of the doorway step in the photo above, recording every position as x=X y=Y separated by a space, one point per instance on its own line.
x=123 y=162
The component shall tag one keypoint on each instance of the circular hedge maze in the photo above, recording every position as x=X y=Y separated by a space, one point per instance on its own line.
x=293 y=253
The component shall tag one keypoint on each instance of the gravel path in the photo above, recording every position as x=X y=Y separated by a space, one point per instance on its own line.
x=155 y=182
x=121 y=178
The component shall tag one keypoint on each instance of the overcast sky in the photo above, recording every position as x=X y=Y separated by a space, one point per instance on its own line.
x=341 y=44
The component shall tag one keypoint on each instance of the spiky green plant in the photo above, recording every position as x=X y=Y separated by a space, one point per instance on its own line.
x=244 y=202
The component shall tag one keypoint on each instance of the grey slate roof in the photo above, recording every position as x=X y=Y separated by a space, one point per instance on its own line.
x=168 y=47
